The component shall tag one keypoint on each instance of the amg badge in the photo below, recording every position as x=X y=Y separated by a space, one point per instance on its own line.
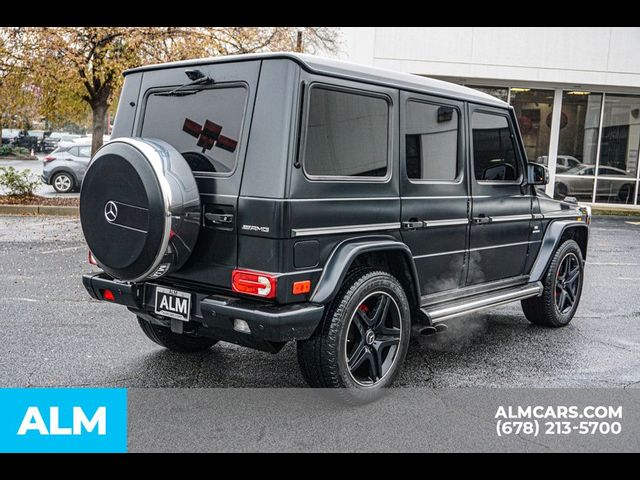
x=255 y=228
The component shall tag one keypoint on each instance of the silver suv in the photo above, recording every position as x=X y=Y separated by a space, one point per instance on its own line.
x=64 y=168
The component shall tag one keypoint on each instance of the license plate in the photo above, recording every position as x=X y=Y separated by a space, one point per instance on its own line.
x=173 y=303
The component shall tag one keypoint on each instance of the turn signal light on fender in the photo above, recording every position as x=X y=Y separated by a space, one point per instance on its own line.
x=254 y=283
x=301 y=287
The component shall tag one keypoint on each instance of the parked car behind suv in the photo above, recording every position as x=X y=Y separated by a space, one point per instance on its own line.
x=51 y=140
x=262 y=199
x=26 y=140
x=614 y=184
x=563 y=162
x=64 y=168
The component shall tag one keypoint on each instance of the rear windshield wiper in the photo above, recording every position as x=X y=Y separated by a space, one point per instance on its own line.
x=197 y=79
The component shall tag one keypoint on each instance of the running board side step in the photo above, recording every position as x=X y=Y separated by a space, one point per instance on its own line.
x=440 y=312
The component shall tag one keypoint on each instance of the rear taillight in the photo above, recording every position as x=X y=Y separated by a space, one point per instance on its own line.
x=254 y=283
x=92 y=259
x=48 y=158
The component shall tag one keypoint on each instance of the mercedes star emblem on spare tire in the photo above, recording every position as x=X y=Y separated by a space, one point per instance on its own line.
x=157 y=210
x=110 y=211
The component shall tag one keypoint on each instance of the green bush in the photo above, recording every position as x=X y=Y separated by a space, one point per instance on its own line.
x=18 y=183
x=9 y=151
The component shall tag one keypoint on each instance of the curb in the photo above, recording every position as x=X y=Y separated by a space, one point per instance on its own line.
x=39 y=210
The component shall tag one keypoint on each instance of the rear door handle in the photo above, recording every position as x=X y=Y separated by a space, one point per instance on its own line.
x=412 y=224
x=482 y=219
x=219 y=218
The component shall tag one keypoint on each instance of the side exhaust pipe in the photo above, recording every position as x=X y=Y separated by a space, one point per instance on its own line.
x=430 y=329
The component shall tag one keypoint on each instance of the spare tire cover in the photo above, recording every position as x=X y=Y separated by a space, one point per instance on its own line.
x=139 y=208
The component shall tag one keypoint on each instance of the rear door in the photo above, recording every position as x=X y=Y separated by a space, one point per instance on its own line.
x=501 y=212
x=435 y=201
x=210 y=128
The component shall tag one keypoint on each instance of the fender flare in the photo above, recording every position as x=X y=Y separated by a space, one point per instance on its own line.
x=549 y=244
x=340 y=260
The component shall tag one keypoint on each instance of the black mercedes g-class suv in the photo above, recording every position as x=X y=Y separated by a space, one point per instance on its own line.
x=264 y=198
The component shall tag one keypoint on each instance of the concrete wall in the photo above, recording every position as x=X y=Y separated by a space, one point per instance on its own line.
x=574 y=56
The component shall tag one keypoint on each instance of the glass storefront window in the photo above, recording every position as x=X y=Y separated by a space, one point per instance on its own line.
x=576 y=182
x=534 y=109
x=579 y=123
x=609 y=190
x=616 y=181
x=613 y=176
x=578 y=145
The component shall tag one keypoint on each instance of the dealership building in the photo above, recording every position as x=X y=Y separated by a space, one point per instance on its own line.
x=575 y=91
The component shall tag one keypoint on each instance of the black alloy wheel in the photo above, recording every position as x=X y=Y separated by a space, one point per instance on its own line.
x=359 y=347
x=373 y=337
x=567 y=283
x=562 y=288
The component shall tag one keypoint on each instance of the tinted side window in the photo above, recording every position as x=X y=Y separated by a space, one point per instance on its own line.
x=85 y=151
x=431 y=140
x=494 y=157
x=347 y=134
x=203 y=125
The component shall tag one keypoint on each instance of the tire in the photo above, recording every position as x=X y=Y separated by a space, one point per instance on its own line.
x=625 y=194
x=63 y=182
x=356 y=329
x=139 y=209
x=175 y=342
x=546 y=310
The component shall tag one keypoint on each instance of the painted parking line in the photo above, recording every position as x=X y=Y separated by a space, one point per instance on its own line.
x=615 y=264
x=67 y=249
x=51 y=222
x=632 y=223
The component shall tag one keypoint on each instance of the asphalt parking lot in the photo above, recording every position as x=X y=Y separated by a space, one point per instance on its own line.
x=54 y=334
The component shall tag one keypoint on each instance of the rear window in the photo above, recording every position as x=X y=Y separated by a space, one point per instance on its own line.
x=204 y=125
x=347 y=135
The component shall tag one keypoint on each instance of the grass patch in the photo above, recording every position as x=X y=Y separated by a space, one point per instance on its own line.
x=622 y=212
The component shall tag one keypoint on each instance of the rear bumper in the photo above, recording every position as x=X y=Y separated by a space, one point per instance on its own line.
x=213 y=315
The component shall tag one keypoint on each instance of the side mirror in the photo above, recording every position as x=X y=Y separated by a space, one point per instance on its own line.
x=537 y=174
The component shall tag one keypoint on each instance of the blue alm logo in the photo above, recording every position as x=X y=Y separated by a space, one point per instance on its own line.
x=56 y=420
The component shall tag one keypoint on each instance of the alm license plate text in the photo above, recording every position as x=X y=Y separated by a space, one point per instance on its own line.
x=173 y=303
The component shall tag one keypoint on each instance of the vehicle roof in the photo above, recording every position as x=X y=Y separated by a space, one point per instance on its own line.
x=354 y=71
x=79 y=142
